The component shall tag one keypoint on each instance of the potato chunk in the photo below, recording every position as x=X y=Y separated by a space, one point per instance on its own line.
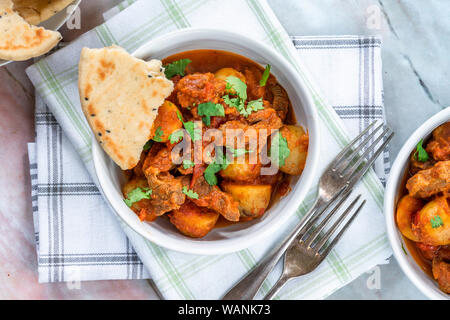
x=432 y=223
x=241 y=171
x=193 y=221
x=297 y=140
x=224 y=73
x=166 y=122
x=142 y=208
x=406 y=209
x=253 y=199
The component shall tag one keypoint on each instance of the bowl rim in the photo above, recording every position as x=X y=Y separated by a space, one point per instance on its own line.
x=395 y=178
x=229 y=245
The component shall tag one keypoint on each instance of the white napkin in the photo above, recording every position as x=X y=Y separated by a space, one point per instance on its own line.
x=352 y=66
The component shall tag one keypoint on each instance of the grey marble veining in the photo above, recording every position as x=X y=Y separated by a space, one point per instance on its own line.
x=416 y=67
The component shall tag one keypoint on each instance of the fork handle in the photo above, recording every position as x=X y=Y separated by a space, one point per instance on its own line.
x=277 y=287
x=247 y=288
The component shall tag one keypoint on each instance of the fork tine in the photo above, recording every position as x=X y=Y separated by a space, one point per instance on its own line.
x=347 y=161
x=361 y=158
x=336 y=225
x=351 y=144
x=360 y=172
x=312 y=219
x=324 y=222
x=340 y=234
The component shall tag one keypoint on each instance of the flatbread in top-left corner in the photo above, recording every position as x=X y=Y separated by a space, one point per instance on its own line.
x=36 y=11
x=19 y=40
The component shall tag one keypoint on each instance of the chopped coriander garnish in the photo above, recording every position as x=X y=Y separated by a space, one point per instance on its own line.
x=239 y=152
x=265 y=76
x=210 y=173
x=436 y=222
x=279 y=147
x=214 y=167
x=234 y=102
x=137 y=195
x=208 y=110
x=254 y=106
x=188 y=163
x=193 y=130
x=158 y=134
x=421 y=153
x=237 y=103
x=176 y=136
x=190 y=193
x=238 y=85
x=176 y=68
x=148 y=145
x=180 y=117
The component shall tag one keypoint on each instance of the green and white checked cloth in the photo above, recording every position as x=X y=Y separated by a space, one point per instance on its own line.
x=181 y=276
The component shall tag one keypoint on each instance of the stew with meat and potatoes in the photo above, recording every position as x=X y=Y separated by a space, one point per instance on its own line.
x=423 y=213
x=222 y=146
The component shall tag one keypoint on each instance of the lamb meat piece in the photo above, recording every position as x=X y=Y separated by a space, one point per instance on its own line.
x=158 y=160
x=431 y=181
x=167 y=192
x=439 y=147
x=441 y=268
x=198 y=88
x=213 y=198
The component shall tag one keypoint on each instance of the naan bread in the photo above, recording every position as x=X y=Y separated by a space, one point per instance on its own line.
x=18 y=39
x=120 y=96
x=36 y=11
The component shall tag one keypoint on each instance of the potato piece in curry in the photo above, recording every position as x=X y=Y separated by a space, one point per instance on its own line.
x=423 y=213
x=221 y=91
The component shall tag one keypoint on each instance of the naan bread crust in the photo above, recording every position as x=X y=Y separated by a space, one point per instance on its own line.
x=120 y=96
x=19 y=40
x=36 y=11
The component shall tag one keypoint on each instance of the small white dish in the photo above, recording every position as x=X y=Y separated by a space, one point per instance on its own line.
x=242 y=235
x=54 y=23
x=421 y=280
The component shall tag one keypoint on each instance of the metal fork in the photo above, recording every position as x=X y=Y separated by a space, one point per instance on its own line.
x=340 y=175
x=309 y=249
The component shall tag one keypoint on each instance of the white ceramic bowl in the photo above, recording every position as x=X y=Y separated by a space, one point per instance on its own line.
x=55 y=22
x=428 y=286
x=241 y=235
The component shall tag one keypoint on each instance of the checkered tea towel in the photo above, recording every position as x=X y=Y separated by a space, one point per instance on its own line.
x=79 y=238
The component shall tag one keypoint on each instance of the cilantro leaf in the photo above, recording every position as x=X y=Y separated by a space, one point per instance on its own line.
x=180 y=117
x=176 y=136
x=421 y=153
x=220 y=163
x=148 y=145
x=208 y=110
x=265 y=76
x=176 y=67
x=436 y=222
x=190 y=193
x=239 y=152
x=193 y=130
x=158 y=134
x=210 y=173
x=137 y=195
x=233 y=102
x=254 y=106
x=279 y=148
x=188 y=163
x=239 y=86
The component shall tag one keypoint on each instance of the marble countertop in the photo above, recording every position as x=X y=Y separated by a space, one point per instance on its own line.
x=416 y=77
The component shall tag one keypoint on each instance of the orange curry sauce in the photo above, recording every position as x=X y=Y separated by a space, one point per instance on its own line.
x=211 y=61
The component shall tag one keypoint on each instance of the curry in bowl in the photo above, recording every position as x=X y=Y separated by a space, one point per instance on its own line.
x=423 y=212
x=222 y=147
